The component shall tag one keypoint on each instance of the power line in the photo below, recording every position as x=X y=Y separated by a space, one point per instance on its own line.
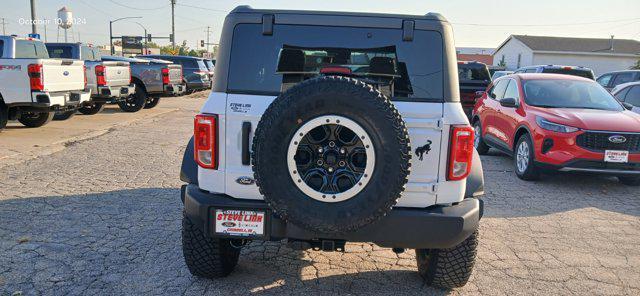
x=200 y=7
x=137 y=8
x=544 y=25
x=96 y=8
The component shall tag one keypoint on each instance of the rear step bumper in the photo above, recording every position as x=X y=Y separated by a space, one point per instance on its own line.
x=425 y=228
x=106 y=93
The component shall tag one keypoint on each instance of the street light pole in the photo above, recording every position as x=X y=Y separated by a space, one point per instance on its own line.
x=173 y=26
x=145 y=36
x=111 y=30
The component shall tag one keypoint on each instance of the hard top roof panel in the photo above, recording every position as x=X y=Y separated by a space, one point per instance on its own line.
x=248 y=9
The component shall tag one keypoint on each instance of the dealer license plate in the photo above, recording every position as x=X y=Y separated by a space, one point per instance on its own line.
x=616 y=156
x=240 y=223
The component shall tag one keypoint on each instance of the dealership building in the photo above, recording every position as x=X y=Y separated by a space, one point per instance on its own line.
x=601 y=55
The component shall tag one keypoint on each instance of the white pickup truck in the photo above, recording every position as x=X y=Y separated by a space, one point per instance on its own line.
x=109 y=81
x=33 y=86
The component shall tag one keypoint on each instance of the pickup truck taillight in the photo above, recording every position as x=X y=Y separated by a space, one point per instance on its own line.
x=36 y=79
x=165 y=75
x=100 y=77
x=460 y=153
x=205 y=140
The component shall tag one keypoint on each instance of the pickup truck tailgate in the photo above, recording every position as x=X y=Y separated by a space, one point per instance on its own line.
x=62 y=75
x=117 y=73
x=175 y=74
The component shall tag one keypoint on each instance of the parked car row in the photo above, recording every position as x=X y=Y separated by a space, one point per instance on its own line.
x=42 y=82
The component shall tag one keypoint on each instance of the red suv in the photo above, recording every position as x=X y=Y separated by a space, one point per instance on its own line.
x=558 y=122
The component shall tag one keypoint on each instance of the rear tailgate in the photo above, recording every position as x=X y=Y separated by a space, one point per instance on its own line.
x=175 y=74
x=62 y=75
x=117 y=73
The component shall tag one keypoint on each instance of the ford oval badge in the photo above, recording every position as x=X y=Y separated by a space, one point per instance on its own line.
x=245 y=181
x=617 y=139
x=65 y=73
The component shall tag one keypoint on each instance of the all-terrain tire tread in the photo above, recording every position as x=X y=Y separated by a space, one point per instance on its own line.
x=207 y=257
x=381 y=102
x=448 y=268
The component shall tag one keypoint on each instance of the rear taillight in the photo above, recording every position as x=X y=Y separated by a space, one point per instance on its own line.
x=36 y=79
x=205 y=140
x=100 y=78
x=460 y=153
x=84 y=68
x=165 y=75
x=130 y=76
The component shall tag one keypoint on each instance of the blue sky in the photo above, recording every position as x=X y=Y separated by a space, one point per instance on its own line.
x=476 y=23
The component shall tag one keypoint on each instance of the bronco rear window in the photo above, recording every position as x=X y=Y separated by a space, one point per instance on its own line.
x=297 y=52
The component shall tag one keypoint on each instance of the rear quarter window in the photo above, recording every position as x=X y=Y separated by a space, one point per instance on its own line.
x=253 y=71
x=31 y=49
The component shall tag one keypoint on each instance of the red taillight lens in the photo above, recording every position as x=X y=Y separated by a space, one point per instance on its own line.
x=100 y=78
x=165 y=75
x=85 y=76
x=36 y=79
x=205 y=140
x=460 y=153
x=130 y=76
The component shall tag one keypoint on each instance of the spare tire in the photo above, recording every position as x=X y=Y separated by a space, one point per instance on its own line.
x=331 y=155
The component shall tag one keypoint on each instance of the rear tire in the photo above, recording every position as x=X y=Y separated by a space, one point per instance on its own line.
x=207 y=257
x=151 y=102
x=479 y=143
x=4 y=116
x=629 y=180
x=524 y=161
x=92 y=109
x=30 y=119
x=448 y=268
x=64 y=115
x=135 y=102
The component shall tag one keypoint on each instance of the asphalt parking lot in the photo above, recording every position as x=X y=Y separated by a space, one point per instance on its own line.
x=101 y=214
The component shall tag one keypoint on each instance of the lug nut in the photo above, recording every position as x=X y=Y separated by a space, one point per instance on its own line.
x=343 y=151
x=332 y=144
x=320 y=150
x=342 y=163
x=320 y=162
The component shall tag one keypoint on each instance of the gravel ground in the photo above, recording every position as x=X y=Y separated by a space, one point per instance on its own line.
x=103 y=217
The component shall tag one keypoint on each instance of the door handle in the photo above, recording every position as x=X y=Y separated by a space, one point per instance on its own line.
x=246 y=132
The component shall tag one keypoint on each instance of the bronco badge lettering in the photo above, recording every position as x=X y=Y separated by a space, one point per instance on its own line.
x=420 y=151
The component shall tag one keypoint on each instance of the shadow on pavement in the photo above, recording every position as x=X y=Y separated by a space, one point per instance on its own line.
x=508 y=196
x=129 y=242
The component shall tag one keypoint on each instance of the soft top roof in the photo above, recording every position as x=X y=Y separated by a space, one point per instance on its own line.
x=248 y=9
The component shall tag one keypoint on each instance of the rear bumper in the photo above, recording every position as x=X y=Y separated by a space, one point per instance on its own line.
x=433 y=227
x=172 y=90
x=197 y=85
x=54 y=100
x=107 y=93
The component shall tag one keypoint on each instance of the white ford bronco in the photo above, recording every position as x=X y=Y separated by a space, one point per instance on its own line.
x=34 y=86
x=325 y=128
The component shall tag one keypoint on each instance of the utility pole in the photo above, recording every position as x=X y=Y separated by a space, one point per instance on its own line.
x=208 y=38
x=173 y=24
x=34 y=29
x=4 y=32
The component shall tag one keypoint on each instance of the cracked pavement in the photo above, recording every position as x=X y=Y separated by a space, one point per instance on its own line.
x=103 y=216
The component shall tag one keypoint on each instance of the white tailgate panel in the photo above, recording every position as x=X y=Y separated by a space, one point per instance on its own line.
x=423 y=122
x=241 y=108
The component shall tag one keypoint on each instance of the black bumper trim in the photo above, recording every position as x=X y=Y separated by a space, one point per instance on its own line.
x=435 y=227
x=592 y=166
